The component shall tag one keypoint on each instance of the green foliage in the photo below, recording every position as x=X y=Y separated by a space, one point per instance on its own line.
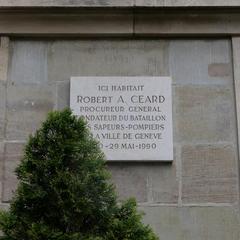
x=64 y=192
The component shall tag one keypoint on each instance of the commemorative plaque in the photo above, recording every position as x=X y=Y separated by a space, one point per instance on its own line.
x=131 y=117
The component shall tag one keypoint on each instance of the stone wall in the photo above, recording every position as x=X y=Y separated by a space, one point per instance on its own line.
x=119 y=3
x=195 y=197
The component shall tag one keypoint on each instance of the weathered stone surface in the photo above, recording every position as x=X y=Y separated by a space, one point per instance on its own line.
x=1 y=159
x=4 y=43
x=187 y=3
x=66 y=3
x=13 y=155
x=204 y=114
x=82 y=24
x=2 y=108
x=118 y=3
x=130 y=181
x=200 y=62
x=27 y=107
x=219 y=70
x=236 y=69
x=126 y=22
x=193 y=223
x=28 y=62
x=63 y=95
x=4 y=54
x=185 y=24
x=209 y=174
x=162 y=184
x=107 y=58
x=147 y=182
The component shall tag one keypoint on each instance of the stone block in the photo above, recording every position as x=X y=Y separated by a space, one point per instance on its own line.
x=107 y=58
x=1 y=159
x=13 y=155
x=209 y=174
x=63 y=95
x=130 y=181
x=200 y=62
x=187 y=3
x=2 y=147
x=162 y=184
x=4 y=55
x=204 y=114
x=147 y=182
x=119 y=3
x=85 y=23
x=67 y=3
x=179 y=24
x=2 y=109
x=27 y=107
x=198 y=223
x=219 y=70
x=28 y=62
x=236 y=68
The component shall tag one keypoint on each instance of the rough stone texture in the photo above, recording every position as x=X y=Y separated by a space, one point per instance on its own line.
x=63 y=95
x=30 y=57
x=27 y=107
x=148 y=182
x=236 y=67
x=186 y=24
x=13 y=154
x=204 y=114
x=118 y=3
x=4 y=54
x=118 y=23
x=2 y=151
x=200 y=62
x=187 y=3
x=66 y=3
x=162 y=184
x=193 y=223
x=1 y=160
x=209 y=174
x=68 y=24
x=219 y=70
x=107 y=58
x=130 y=181
x=2 y=108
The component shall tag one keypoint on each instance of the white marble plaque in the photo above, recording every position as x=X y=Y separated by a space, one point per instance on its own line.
x=130 y=116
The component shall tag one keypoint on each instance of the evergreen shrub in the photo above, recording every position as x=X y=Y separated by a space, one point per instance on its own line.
x=64 y=190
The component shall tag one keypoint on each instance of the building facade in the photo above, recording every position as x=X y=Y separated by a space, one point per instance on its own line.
x=196 y=43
